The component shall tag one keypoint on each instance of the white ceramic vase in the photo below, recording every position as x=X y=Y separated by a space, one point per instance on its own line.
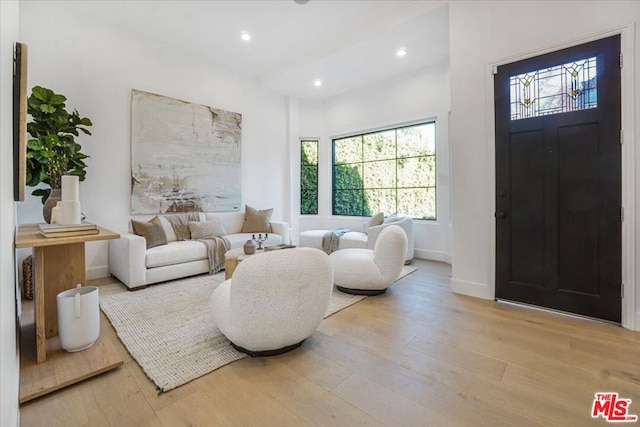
x=249 y=247
x=78 y=318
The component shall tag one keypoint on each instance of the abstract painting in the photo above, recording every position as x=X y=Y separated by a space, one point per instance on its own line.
x=184 y=157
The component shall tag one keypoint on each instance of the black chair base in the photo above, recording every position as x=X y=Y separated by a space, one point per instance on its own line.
x=367 y=292
x=267 y=353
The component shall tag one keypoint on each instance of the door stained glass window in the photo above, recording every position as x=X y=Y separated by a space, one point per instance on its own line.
x=559 y=89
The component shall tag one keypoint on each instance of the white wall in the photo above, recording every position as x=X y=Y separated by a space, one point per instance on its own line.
x=96 y=66
x=421 y=95
x=311 y=125
x=9 y=356
x=485 y=33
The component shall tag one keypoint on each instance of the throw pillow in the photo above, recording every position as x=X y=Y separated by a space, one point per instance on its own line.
x=374 y=220
x=200 y=230
x=256 y=221
x=168 y=229
x=151 y=231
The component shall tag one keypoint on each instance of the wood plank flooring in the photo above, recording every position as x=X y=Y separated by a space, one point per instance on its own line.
x=417 y=356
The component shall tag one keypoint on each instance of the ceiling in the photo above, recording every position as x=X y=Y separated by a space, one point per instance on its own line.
x=348 y=44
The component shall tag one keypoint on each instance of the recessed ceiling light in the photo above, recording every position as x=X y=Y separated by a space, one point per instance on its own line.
x=317 y=82
x=245 y=36
x=401 y=52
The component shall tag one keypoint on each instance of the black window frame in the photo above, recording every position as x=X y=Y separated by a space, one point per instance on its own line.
x=304 y=166
x=363 y=212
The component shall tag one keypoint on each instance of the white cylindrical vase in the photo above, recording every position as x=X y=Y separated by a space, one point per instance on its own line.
x=78 y=318
x=70 y=187
x=70 y=212
x=56 y=214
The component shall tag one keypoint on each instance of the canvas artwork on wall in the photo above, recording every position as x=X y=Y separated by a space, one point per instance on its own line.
x=184 y=157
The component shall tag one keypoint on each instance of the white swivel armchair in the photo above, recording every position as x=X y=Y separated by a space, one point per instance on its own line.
x=370 y=272
x=274 y=301
x=404 y=222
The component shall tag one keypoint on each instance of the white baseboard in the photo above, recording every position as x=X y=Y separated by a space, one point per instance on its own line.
x=433 y=255
x=478 y=290
x=636 y=327
x=96 y=273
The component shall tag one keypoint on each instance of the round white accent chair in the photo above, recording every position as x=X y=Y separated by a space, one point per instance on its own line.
x=370 y=272
x=274 y=301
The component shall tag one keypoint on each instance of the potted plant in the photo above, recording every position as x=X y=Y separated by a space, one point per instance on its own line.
x=52 y=150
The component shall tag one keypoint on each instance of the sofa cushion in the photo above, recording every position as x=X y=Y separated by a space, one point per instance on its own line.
x=200 y=230
x=151 y=231
x=175 y=253
x=257 y=221
x=231 y=221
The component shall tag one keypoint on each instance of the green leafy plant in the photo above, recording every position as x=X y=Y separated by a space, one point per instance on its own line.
x=52 y=150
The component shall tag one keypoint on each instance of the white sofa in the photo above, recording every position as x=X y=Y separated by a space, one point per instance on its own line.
x=136 y=266
x=365 y=239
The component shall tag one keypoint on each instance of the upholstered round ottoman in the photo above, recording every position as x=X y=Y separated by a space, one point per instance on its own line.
x=311 y=238
x=350 y=239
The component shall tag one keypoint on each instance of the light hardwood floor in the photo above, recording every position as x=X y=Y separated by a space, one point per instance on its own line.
x=417 y=356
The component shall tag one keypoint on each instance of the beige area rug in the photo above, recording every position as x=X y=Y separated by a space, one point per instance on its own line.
x=167 y=328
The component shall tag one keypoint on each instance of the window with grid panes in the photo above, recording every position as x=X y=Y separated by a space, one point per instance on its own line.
x=390 y=171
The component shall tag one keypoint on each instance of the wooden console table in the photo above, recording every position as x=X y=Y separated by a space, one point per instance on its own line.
x=59 y=264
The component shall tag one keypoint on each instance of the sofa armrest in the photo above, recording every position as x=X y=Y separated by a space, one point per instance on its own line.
x=281 y=228
x=127 y=259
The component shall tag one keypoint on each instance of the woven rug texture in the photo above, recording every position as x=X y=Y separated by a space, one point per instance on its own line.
x=168 y=329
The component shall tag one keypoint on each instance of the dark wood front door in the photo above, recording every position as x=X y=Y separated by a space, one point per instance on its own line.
x=558 y=180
